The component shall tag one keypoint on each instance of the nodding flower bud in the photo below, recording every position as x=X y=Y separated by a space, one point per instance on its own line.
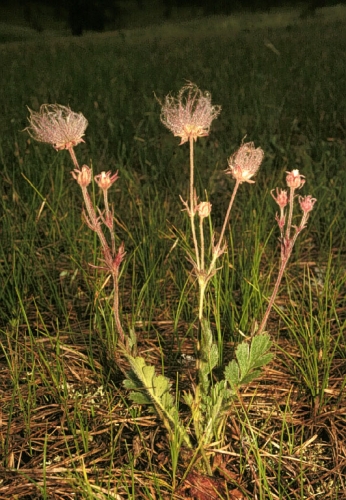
x=83 y=176
x=281 y=197
x=307 y=203
x=105 y=180
x=119 y=257
x=295 y=180
x=204 y=209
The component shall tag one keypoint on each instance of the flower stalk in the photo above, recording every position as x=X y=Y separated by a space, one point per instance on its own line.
x=294 y=181
x=60 y=127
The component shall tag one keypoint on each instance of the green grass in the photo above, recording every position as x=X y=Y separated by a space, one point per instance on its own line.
x=67 y=428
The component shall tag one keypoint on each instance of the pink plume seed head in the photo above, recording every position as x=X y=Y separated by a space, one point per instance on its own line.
x=57 y=125
x=245 y=162
x=190 y=114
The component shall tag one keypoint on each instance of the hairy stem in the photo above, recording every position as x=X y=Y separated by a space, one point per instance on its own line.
x=109 y=219
x=73 y=157
x=192 y=204
x=115 y=276
x=290 y=214
x=286 y=251
x=274 y=294
x=225 y=222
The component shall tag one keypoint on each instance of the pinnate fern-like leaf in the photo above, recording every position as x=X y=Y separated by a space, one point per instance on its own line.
x=249 y=358
x=151 y=389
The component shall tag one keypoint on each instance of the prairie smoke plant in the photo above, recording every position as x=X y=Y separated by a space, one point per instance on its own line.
x=294 y=180
x=105 y=180
x=83 y=176
x=281 y=197
x=307 y=203
x=282 y=200
x=189 y=117
x=62 y=128
x=204 y=209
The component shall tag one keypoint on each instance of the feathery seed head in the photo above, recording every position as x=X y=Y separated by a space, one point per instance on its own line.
x=57 y=125
x=245 y=162
x=190 y=114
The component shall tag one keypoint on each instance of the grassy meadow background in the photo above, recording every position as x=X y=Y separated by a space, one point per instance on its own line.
x=67 y=429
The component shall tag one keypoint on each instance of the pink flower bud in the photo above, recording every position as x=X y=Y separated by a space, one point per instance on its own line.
x=295 y=180
x=204 y=209
x=119 y=257
x=83 y=176
x=280 y=220
x=307 y=203
x=281 y=197
x=105 y=180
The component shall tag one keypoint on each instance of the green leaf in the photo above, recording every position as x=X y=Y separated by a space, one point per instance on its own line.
x=243 y=358
x=148 y=373
x=160 y=385
x=206 y=339
x=244 y=369
x=260 y=345
x=232 y=373
x=154 y=390
x=250 y=377
x=213 y=357
x=139 y=398
x=188 y=399
x=131 y=384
